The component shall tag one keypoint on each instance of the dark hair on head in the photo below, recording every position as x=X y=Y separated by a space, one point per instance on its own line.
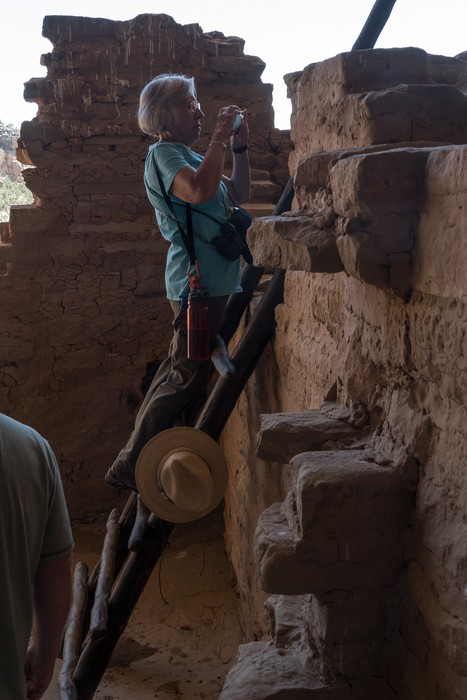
x=158 y=99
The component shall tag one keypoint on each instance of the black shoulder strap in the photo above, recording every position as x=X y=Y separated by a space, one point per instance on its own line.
x=187 y=237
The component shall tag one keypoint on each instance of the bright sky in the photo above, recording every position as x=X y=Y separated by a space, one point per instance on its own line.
x=287 y=36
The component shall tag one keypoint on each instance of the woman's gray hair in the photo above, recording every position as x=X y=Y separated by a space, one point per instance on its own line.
x=158 y=99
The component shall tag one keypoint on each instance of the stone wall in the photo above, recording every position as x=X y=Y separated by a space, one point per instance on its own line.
x=84 y=318
x=347 y=450
x=364 y=552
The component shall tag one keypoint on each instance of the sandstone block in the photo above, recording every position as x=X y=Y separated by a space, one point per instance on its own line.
x=378 y=196
x=294 y=243
x=263 y=190
x=284 y=568
x=440 y=253
x=344 y=101
x=364 y=612
x=280 y=571
x=237 y=69
x=423 y=112
x=374 y=184
x=286 y=615
x=75 y=28
x=284 y=435
x=262 y=672
x=343 y=491
x=364 y=260
x=365 y=71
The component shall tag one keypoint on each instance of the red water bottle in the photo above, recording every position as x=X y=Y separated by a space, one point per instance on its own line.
x=198 y=336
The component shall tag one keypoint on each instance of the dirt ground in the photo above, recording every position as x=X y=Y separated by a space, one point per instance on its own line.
x=184 y=633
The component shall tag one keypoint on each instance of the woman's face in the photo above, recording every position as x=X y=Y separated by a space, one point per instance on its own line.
x=186 y=126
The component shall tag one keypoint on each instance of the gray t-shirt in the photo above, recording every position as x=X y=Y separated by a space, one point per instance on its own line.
x=34 y=525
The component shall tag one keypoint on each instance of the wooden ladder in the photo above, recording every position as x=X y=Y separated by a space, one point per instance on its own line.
x=135 y=539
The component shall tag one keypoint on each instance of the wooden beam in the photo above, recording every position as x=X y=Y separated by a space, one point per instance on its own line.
x=374 y=25
x=74 y=633
x=99 y=612
x=129 y=586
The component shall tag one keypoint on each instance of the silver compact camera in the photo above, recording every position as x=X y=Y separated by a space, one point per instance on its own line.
x=237 y=123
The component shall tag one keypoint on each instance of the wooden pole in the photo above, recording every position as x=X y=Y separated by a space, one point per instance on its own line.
x=141 y=521
x=74 y=633
x=126 y=523
x=374 y=25
x=100 y=609
x=133 y=577
x=259 y=332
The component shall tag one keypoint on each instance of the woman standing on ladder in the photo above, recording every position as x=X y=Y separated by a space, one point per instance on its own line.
x=176 y=176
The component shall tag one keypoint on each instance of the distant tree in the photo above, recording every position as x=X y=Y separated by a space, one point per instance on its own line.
x=8 y=137
x=11 y=191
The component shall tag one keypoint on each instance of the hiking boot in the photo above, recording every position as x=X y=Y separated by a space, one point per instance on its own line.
x=121 y=480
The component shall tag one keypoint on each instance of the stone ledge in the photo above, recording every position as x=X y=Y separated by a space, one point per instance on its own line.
x=284 y=435
x=285 y=567
x=262 y=672
x=376 y=195
x=346 y=491
x=364 y=208
x=294 y=242
x=285 y=619
x=379 y=183
x=440 y=254
x=345 y=101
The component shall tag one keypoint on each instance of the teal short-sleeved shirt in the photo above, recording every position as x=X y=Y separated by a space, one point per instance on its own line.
x=220 y=276
x=34 y=525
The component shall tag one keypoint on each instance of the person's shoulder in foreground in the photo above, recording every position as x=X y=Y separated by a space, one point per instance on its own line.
x=35 y=552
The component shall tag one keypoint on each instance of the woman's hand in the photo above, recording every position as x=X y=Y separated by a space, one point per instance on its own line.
x=240 y=139
x=224 y=123
x=198 y=186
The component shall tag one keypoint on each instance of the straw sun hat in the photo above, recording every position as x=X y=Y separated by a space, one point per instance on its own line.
x=181 y=474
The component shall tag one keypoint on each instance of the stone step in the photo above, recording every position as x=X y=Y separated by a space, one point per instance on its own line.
x=348 y=491
x=284 y=435
x=285 y=619
x=263 y=672
x=259 y=174
x=341 y=527
x=265 y=190
x=352 y=648
x=257 y=209
x=295 y=241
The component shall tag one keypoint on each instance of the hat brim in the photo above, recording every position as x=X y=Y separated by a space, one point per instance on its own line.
x=153 y=455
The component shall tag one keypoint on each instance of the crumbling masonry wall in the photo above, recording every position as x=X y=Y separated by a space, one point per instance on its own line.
x=84 y=318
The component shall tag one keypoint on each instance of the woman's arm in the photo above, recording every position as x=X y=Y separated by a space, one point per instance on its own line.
x=240 y=182
x=198 y=186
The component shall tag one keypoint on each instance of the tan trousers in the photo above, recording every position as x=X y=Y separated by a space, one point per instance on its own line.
x=179 y=386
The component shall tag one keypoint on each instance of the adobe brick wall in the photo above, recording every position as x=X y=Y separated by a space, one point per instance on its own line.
x=84 y=316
